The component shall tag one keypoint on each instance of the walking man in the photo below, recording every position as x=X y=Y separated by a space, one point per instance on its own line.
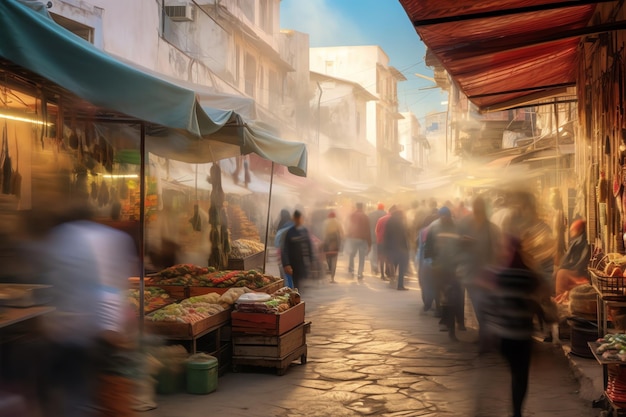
x=441 y=249
x=359 y=239
x=297 y=251
x=397 y=246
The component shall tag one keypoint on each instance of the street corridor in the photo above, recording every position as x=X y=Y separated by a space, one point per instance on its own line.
x=372 y=352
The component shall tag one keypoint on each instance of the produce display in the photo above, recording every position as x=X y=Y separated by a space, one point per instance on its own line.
x=194 y=309
x=612 y=347
x=154 y=298
x=280 y=301
x=192 y=275
x=242 y=248
x=240 y=226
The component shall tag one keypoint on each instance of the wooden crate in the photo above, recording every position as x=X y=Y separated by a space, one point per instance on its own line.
x=198 y=290
x=269 y=346
x=175 y=330
x=255 y=261
x=268 y=324
x=281 y=364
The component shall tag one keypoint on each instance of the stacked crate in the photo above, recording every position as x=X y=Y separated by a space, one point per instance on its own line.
x=269 y=340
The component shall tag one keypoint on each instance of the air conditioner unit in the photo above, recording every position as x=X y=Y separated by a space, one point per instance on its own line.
x=180 y=12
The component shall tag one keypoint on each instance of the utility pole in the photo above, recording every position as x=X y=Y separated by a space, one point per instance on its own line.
x=319 y=124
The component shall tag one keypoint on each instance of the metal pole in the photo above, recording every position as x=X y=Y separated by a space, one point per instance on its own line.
x=319 y=124
x=267 y=223
x=558 y=133
x=142 y=218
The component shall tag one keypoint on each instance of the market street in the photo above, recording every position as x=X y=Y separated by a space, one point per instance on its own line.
x=372 y=352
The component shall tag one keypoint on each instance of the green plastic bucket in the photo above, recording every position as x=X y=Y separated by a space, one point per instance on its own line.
x=201 y=374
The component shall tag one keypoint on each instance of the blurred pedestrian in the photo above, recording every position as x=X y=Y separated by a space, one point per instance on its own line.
x=373 y=217
x=425 y=273
x=396 y=246
x=332 y=242
x=284 y=220
x=385 y=267
x=284 y=223
x=512 y=305
x=88 y=265
x=432 y=213
x=297 y=251
x=359 y=239
x=480 y=244
x=411 y=232
x=441 y=250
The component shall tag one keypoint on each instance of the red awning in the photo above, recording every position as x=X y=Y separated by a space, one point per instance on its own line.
x=500 y=52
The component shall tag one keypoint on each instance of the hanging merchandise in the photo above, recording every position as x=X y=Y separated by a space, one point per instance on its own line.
x=94 y=191
x=196 y=221
x=218 y=235
x=73 y=139
x=602 y=188
x=6 y=163
x=16 y=177
x=103 y=194
x=123 y=187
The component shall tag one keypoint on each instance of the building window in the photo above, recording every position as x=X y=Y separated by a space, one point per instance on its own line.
x=266 y=20
x=262 y=89
x=76 y=28
x=358 y=125
x=237 y=64
x=330 y=66
x=247 y=8
x=275 y=89
x=250 y=75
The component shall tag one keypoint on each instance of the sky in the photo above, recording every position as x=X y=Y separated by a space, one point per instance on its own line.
x=370 y=22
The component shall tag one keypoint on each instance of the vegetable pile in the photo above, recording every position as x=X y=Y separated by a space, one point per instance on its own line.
x=612 y=346
x=282 y=300
x=242 y=248
x=194 y=309
x=154 y=298
x=191 y=275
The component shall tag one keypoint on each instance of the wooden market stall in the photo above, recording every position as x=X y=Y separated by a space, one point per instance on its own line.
x=84 y=108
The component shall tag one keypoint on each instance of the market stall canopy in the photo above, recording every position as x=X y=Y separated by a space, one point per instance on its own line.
x=33 y=43
x=506 y=53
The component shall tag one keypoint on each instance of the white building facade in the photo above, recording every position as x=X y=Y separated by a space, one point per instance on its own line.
x=369 y=67
x=230 y=46
x=340 y=109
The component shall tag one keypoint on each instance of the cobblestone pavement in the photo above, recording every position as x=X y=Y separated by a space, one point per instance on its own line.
x=371 y=352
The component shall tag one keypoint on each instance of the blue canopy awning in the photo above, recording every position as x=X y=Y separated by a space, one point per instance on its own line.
x=33 y=41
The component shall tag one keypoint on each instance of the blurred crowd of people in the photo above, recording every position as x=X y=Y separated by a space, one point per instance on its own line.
x=498 y=251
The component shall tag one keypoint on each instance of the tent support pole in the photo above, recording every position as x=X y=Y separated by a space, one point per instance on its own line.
x=142 y=218
x=267 y=223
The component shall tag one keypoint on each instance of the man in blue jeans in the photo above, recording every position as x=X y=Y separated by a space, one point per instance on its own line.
x=359 y=239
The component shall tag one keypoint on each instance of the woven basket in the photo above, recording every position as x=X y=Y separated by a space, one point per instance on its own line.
x=610 y=288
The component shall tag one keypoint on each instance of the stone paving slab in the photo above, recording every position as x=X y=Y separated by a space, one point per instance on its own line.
x=371 y=353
